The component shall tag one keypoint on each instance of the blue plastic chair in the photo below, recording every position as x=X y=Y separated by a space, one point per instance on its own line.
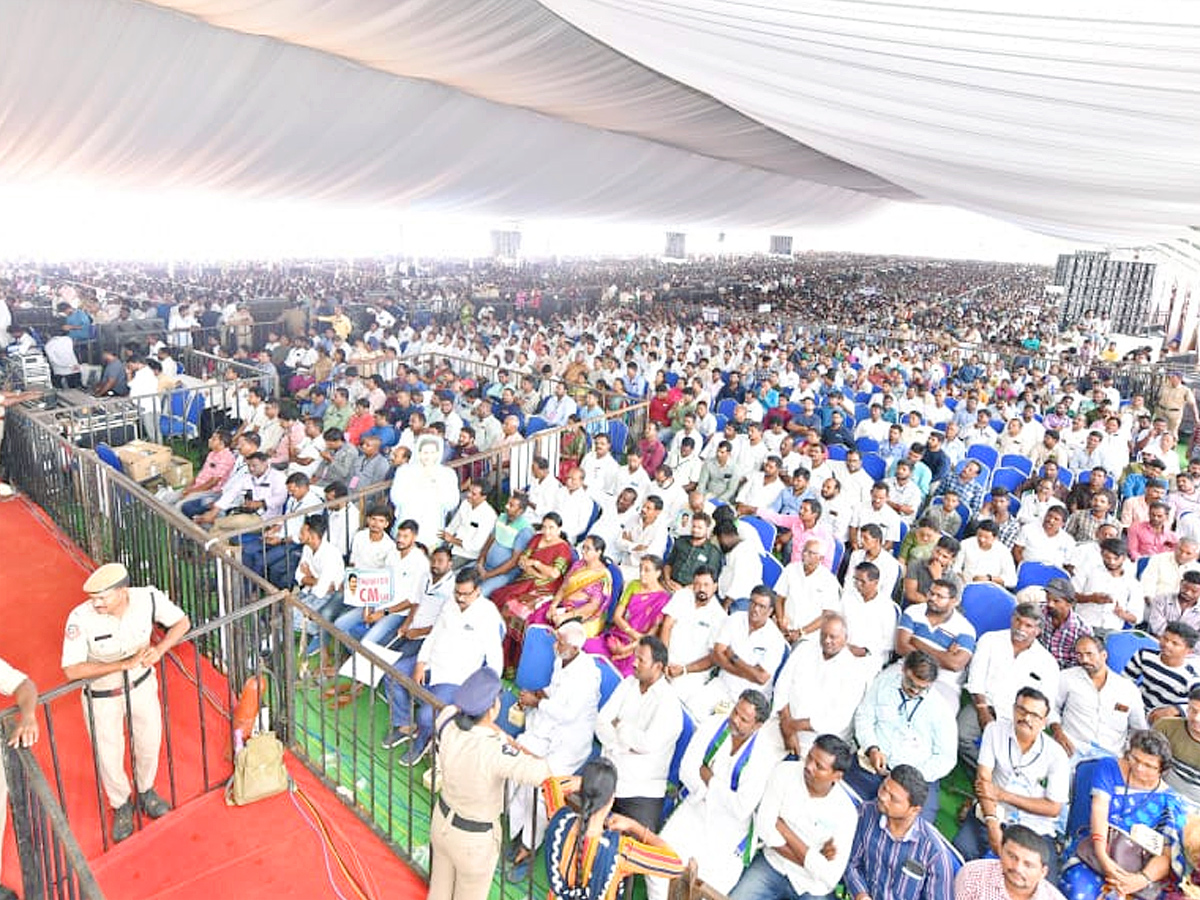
x=1080 y=811
x=1008 y=478
x=964 y=514
x=1141 y=565
x=766 y=531
x=618 y=434
x=671 y=378
x=537 y=659
x=721 y=421
x=109 y=456
x=839 y=551
x=1036 y=574
x=592 y=520
x=609 y=677
x=1066 y=477
x=987 y=606
x=1121 y=645
x=618 y=586
x=534 y=425
x=673 y=783
x=183 y=418
x=867 y=445
x=726 y=407
x=837 y=452
x=983 y=454
x=1016 y=461
x=874 y=465
x=896 y=546
x=771 y=570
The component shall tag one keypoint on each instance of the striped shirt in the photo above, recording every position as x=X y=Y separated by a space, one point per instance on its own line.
x=1161 y=685
x=915 y=867
x=1184 y=774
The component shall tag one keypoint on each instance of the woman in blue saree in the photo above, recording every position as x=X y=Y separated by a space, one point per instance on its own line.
x=1130 y=803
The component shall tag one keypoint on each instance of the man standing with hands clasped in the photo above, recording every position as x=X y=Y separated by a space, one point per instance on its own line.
x=107 y=642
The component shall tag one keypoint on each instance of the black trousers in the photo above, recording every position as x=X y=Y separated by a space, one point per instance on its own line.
x=647 y=810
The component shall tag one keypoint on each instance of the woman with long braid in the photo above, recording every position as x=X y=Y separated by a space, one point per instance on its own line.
x=590 y=854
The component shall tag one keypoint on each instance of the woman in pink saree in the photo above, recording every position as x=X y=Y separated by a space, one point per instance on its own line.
x=639 y=613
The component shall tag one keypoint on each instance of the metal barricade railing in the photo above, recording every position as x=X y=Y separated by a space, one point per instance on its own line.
x=340 y=741
x=52 y=863
x=113 y=518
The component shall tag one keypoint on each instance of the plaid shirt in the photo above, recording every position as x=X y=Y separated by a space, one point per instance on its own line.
x=971 y=495
x=1060 y=641
x=983 y=880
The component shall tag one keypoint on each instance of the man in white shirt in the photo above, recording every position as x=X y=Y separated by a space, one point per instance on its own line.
x=747 y=654
x=1004 y=662
x=1097 y=708
x=742 y=569
x=984 y=558
x=1046 y=541
x=470 y=526
x=1023 y=779
x=601 y=471
x=319 y=575
x=870 y=617
x=818 y=690
x=1109 y=596
x=466 y=636
x=575 y=505
x=638 y=729
x=806 y=591
x=560 y=720
x=64 y=365
x=806 y=823
x=644 y=536
x=873 y=550
x=725 y=770
x=544 y=489
x=692 y=619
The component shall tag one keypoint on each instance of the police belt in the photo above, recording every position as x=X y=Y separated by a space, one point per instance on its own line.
x=459 y=822
x=117 y=691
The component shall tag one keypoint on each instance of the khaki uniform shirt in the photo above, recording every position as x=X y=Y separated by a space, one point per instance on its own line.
x=102 y=638
x=474 y=765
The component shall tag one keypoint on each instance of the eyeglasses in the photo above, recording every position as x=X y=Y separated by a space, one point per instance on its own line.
x=914 y=687
x=1026 y=712
x=467 y=593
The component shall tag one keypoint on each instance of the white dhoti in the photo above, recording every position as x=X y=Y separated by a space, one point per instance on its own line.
x=694 y=832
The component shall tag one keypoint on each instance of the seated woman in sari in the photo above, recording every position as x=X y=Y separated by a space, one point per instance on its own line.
x=1128 y=794
x=585 y=594
x=639 y=613
x=541 y=566
x=591 y=853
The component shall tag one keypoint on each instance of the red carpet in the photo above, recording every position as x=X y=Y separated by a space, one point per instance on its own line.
x=202 y=847
x=209 y=850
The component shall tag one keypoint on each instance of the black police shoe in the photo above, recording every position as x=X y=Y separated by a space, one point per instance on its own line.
x=153 y=805
x=122 y=826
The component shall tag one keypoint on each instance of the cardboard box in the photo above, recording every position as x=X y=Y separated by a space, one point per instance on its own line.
x=178 y=472
x=143 y=460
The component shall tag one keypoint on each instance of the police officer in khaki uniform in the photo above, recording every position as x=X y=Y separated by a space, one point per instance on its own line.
x=107 y=641
x=474 y=758
x=24 y=733
x=1173 y=397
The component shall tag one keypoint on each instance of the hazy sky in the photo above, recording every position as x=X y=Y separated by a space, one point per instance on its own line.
x=70 y=223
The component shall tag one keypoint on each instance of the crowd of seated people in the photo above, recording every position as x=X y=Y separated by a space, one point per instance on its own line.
x=832 y=571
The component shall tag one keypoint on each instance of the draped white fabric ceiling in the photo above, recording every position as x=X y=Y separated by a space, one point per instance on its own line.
x=1075 y=119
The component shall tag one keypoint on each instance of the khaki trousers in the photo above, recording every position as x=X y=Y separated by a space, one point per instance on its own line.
x=463 y=861
x=107 y=728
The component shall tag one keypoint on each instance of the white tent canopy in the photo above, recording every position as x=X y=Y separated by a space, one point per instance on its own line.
x=1077 y=120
